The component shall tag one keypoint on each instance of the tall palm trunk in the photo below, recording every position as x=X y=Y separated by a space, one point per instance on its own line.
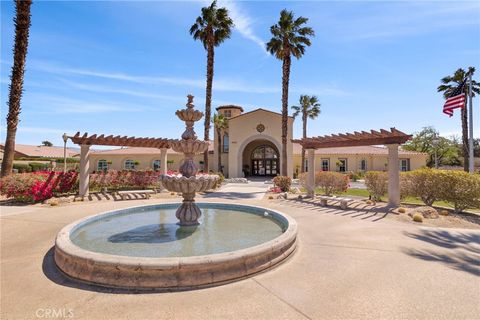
x=465 y=137
x=219 y=150
x=208 y=100
x=304 y=119
x=285 y=81
x=22 y=25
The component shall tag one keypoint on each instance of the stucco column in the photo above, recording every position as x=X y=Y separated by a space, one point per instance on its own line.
x=311 y=172
x=84 y=166
x=393 y=175
x=163 y=161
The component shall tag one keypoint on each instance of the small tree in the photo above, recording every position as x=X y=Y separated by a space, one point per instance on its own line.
x=460 y=188
x=47 y=143
x=221 y=124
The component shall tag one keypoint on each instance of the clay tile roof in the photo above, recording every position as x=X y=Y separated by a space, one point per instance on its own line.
x=230 y=106
x=25 y=150
x=136 y=151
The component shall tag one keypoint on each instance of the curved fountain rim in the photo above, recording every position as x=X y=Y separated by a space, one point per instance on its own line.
x=65 y=244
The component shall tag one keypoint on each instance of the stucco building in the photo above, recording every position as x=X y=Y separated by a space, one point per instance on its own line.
x=251 y=146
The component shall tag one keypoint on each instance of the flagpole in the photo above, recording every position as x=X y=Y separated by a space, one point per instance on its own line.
x=470 y=140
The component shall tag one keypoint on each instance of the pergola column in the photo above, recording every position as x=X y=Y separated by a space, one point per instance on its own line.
x=311 y=172
x=163 y=160
x=84 y=166
x=393 y=175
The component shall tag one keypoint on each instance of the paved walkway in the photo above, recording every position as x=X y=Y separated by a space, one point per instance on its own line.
x=348 y=265
x=241 y=191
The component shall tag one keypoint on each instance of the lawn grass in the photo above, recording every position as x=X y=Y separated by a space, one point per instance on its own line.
x=408 y=200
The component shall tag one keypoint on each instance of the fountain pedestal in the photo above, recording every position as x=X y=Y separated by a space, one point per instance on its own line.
x=188 y=213
x=188 y=183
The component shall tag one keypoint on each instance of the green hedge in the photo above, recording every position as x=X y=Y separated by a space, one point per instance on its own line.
x=22 y=167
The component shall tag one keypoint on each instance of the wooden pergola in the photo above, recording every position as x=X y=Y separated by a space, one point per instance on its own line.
x=391 y=139
x=121 y=141
x=85 y=141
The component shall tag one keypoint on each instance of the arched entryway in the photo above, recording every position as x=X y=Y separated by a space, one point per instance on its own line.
x=261 y=158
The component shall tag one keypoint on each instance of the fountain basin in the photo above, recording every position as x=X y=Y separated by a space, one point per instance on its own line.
x=185 y=271
x=188 y=185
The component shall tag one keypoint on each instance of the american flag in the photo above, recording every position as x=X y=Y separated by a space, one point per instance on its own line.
x=455 y=100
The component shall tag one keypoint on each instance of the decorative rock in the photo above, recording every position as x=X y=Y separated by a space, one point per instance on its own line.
x=283 y=195
x=426 y=212
x=444 y=212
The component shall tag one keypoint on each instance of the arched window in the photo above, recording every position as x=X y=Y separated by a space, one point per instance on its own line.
x=102 y=165
x=129 y=164
x=264 y=152
x=225 y=143
x=156 y=164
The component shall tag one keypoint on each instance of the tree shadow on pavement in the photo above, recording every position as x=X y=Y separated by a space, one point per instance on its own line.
x=458 y=250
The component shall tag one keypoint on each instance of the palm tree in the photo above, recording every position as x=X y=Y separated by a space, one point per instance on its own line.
x=289 y=38
x=309 y=108
x=22 y=28
x=212 y=28
x=221 y=123
x=450 y=83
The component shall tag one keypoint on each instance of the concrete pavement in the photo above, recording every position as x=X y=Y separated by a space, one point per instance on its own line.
x=240 y=191
x=349 y=265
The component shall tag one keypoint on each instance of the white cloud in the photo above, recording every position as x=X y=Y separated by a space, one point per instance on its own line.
x=27 y=129
x=242 y=20
x=395 y=19
x=61 y=105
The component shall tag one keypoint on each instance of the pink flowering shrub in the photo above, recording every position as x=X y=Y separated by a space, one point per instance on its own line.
x=37 y=186
x=125 y=179
x=275 y=189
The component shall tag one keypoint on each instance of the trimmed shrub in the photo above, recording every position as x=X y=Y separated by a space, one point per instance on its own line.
x=22 y=167
x=331 y=182
x=460 y=188
x=377 y=184
x=302 y=179
x=283 y=182
x=353 y=176
x=38 y=166
x=402 y=210
x=417 y=217
x=270 y=197
x=423 y=183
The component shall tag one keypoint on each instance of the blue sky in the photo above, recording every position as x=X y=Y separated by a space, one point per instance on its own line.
x=124 y=67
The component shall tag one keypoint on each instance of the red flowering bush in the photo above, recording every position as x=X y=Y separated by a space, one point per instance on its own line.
x=125 y=179
x=275 y=189
x=37 y=186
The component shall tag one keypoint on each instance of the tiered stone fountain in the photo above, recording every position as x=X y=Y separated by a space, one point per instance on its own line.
x=129 y=248
x=188 y=183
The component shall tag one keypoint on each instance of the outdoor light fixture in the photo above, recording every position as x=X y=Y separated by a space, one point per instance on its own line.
x=65 y=139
